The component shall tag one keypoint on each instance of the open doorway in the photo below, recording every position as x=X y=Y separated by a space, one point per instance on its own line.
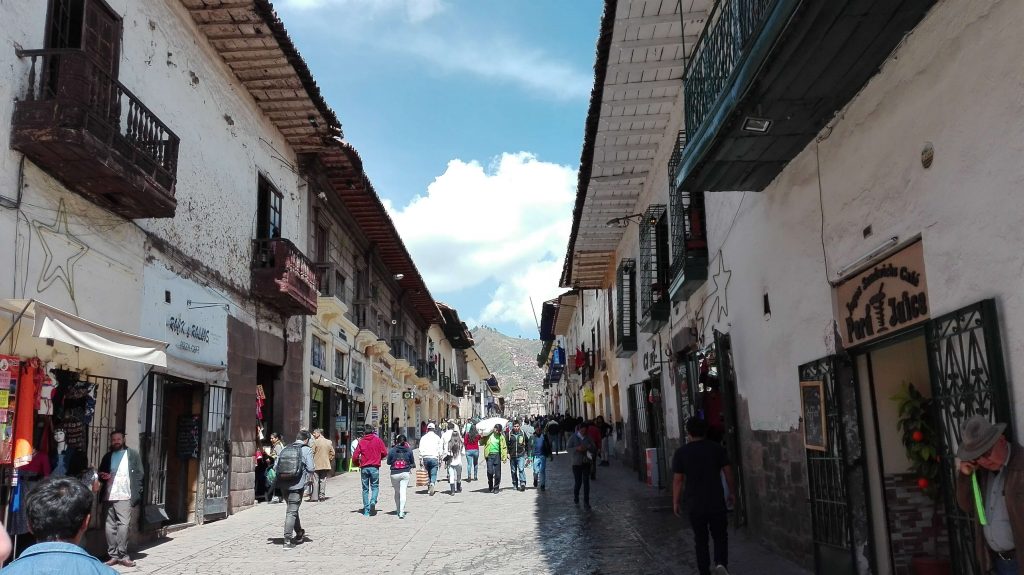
x=181 y=438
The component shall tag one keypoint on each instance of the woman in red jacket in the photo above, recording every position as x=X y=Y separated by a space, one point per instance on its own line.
x=472 y=442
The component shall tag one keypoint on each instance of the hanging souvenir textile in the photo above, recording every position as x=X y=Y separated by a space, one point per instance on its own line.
x=24 y=413
x=9 y=370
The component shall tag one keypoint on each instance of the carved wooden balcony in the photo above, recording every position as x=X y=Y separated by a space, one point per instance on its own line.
x=88 y=131
x=284 y=277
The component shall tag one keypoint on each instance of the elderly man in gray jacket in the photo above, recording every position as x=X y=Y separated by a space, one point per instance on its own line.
x=294 y=467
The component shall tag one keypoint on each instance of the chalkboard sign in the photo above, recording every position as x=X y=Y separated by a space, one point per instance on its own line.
x=812 y=402
x=188 y=436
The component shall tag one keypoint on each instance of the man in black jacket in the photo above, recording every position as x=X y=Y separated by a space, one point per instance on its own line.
x=121 y=473
x=518 y=450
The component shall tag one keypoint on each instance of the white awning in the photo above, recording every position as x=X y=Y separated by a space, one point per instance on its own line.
x=193 y=370
x=52 y=323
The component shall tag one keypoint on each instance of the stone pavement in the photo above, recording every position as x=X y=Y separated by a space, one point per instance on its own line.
x=630 y=531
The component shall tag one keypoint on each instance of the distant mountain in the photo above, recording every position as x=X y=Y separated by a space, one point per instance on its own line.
x=512 y=359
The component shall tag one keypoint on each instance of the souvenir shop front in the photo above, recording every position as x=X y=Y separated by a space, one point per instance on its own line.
x=185 y=441
x=57 y=408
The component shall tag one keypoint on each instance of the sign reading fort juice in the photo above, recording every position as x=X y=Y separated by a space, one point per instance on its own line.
x=884 y=298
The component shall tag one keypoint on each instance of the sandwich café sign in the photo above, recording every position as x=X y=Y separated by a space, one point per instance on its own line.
x=883 y=299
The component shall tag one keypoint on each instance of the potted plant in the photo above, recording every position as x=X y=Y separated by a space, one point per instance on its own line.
x=920 y=440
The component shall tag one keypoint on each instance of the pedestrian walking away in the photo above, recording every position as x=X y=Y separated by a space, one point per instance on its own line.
x=581 y=448
x=495 y=452
x=471 y=441
x=352 y=451
x=294 y=468
x=998 y=466
x=541 y=452
x=369 y=453
x=402 y=462
x=594 y=433
x=697 y=469
x=323 y=460
x=121 y=473
x=518 y=450
x=454 y=451
x=430 y=453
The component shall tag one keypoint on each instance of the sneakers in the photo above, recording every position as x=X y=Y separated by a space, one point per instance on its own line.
x=458 y=487
x=366 y=512
x=535 y=482
x=719 y=570
x=522 y=488
x=289 y=544
x=373 y=510
x=430 y=489
x=542 y=488
x=300 y=536
x=401 y=515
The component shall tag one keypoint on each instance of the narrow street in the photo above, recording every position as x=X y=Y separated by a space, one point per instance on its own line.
x=630 y=530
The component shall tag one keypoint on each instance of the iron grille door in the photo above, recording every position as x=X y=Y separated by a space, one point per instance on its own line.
x=109 y=414
x=966 y=363
x=153 y=454
x=636 y=392
x=837 y=477
x=215 y=464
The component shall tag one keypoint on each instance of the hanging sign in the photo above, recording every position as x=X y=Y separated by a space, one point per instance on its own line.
x=883 y=299
x=192 y=319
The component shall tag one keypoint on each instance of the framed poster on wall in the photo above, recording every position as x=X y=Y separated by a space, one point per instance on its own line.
x=812 y=406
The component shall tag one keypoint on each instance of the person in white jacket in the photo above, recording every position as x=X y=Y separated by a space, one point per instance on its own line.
x=454 y=453
x=430 y=452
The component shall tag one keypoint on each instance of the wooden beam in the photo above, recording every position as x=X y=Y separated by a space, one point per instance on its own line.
x=654 y=42
x=635 y=118
x=623 y=164
x=627 y=148
x=646 y=66
x=638 y=175
x=654 y=19
x=648 y=85
x=627 y=133
x=638 y=101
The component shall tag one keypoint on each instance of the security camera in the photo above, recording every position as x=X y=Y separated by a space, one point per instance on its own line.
x=394 y=322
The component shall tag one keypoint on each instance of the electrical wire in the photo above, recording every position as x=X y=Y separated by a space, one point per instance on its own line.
x=821 y=205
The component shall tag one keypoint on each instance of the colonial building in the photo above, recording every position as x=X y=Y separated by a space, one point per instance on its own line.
x=831 y=227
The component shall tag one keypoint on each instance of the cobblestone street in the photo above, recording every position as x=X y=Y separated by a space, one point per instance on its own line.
x=629 y=531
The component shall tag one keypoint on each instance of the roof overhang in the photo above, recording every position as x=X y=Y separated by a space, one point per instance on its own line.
x=566 y=308
x=641 y=55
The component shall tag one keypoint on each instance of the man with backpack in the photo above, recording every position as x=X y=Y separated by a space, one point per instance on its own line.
x=369 y=453
x=293 y=469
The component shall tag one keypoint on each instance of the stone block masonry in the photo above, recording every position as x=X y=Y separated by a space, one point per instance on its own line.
x=917 y=525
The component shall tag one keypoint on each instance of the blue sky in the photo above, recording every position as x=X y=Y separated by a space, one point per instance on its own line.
x=469 y=117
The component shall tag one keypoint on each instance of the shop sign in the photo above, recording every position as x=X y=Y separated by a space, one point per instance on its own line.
x=885 y=298
x=193 y=322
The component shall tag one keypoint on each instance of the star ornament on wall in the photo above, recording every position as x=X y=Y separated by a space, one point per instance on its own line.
x=721 y=280
x=62 y=251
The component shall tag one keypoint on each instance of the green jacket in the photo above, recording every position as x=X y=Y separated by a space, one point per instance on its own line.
x=503 y=446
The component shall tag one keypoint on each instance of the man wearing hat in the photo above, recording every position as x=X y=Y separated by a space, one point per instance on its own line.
x=999 y=465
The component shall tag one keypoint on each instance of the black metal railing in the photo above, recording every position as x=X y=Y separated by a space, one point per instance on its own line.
x=689 y=235
x=626 y=317
x=653 y=265
x=71 y=78
x=731 y=25
x=676 y=159
x=332 y=283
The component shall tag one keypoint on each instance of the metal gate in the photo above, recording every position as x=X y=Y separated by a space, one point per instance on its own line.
x=638 y=427
x=109 y=415
x=966 y=363
x=837 y=477
x=215 y=462
x=153 y=455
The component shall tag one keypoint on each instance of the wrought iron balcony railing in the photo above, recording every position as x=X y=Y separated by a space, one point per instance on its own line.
x=731 y=24
x=82 y=125
x=284 y=276
x=676 y=159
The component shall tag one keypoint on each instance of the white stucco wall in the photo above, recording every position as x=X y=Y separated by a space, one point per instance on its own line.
x=955 y=82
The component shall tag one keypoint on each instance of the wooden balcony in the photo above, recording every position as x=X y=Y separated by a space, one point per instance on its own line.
x=284 y=277
x=88 y=131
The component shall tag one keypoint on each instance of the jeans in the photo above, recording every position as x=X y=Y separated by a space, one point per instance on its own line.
x=716 y=524
x=400 y=481
x=540 y=465
x=431 y=464
x=555 y=439
x=454 y=476
x=472 y=463
x=119 y=518
x=494 y=470
x=321 y=484
x=518 y=467
x=1004 y=567
x=371 y=486
x=291 y=514
x=581 y=477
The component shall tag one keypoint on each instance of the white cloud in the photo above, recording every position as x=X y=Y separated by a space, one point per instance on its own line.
x=451 y=44
x=413 y=10
x=509 y=222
